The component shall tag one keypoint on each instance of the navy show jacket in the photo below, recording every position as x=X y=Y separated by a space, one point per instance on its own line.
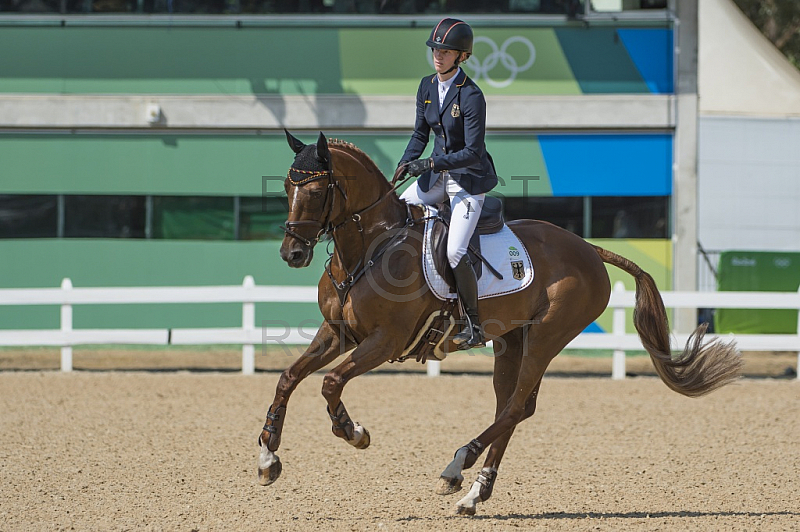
x=459 y=131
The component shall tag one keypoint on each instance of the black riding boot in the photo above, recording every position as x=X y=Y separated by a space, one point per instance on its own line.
x=467 y=289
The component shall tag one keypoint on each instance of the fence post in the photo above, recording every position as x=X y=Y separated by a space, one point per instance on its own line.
x=618 y=330
x=248 y=325
x=66 y=328
x=797 y=372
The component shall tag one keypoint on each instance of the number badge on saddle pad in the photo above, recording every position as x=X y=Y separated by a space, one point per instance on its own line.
x=494 y=247
x=517 y=266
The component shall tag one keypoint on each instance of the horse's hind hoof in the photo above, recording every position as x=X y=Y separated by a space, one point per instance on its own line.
x=465 y=510
x=361 y=439
x=365 y=440
x=448 y=486
x=269 y=471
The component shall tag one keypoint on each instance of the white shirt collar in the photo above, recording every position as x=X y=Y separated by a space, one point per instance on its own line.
x=444 y=86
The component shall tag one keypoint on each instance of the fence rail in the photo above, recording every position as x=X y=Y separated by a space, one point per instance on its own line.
x=248 y=335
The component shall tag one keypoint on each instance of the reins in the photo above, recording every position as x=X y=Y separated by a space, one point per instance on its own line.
x=326 y=227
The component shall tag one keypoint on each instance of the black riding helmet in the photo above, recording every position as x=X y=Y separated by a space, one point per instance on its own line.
x=451 y=34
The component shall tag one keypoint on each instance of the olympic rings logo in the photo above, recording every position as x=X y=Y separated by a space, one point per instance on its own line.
x=481 y=68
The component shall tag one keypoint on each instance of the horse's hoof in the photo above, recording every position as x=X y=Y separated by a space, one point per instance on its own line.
x=465 y=510
x=448 y=486
x=270 y=474
x=364 y=442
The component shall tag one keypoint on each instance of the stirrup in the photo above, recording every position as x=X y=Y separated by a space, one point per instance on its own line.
x=474 y=340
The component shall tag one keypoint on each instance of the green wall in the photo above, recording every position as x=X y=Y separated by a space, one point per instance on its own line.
x=116 y=57
x=757 y=271
x=224 y=165
x=44 y=263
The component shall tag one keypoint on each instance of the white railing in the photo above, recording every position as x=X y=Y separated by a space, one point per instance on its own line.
x=248 y=335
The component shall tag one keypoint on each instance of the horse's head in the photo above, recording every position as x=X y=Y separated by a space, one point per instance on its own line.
x=310 y=189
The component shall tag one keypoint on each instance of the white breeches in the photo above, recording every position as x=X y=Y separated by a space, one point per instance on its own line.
x=466 y=210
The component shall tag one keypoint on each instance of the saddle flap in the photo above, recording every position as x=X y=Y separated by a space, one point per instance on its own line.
x=438 y=243
x=491 y=219
x=504 y=250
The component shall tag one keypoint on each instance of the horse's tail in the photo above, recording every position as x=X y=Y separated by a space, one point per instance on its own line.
x=700 y=369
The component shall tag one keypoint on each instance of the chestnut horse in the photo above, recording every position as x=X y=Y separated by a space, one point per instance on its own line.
x=374 y=300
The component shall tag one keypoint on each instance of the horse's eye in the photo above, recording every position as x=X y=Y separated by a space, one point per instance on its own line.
x=315 y=193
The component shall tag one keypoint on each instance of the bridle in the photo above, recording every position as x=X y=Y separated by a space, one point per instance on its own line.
x=324 y=227
x=298 y=177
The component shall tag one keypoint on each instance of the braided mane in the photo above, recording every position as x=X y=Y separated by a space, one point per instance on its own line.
x=359 y=154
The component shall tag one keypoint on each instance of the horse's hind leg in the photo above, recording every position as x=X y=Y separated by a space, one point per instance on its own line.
x=482 y=488
x=543 y=343
x=324 y=349
x=508 y=357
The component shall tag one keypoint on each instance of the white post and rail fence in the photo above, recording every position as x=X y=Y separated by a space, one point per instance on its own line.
x=248 y=335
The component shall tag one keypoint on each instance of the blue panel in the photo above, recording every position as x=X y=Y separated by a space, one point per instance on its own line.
x=600 y=61
x=652 y=52
x=609 y=165
x=594 y=328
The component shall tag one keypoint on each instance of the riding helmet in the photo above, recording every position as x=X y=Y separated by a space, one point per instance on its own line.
x=451 y=34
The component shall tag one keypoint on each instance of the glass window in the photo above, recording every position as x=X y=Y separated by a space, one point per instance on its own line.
x=630 y=217
x=24 y=216
x=232 y=7
x=261 y=218
x=30 y=6
x=104 y=216
x=566 y=212
x=625 y=5
x=193 y=218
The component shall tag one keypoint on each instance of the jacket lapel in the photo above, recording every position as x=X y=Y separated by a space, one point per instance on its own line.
x=452 y=91
x=432 y=108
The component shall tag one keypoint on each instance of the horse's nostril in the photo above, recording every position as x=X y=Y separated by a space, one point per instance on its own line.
x=295 y=255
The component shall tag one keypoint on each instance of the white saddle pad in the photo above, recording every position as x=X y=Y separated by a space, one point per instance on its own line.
x=503 y=250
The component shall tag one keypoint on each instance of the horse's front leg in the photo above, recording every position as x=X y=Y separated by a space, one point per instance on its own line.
x=371 y=353
x=326 y=346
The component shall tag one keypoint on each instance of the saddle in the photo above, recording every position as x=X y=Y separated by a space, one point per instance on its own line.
x=490 y=221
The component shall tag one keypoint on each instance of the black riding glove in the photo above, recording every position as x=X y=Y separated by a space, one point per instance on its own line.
x=402 y=170
x=419 y=166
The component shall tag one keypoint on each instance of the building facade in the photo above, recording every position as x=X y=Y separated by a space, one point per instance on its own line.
x=149 y=149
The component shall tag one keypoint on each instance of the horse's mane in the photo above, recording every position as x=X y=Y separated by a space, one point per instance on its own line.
x=359 y=154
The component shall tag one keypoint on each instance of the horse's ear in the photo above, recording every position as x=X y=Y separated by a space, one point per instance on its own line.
x=294 y=143
x=323 y=154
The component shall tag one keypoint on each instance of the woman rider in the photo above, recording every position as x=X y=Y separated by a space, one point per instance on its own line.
x=452 y=106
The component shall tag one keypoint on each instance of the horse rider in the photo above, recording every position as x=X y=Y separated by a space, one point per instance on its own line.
x=452 y=106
